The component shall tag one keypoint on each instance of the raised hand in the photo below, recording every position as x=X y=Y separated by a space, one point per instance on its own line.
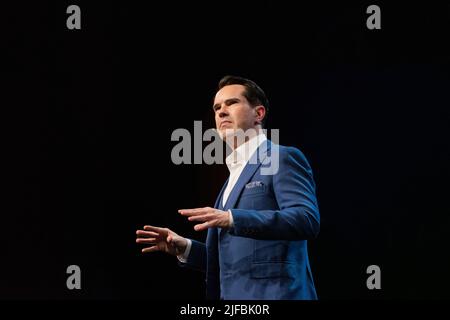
x=161 y=239
x=209 y=217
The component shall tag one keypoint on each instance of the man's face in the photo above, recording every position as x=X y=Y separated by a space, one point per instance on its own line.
x=233 y=111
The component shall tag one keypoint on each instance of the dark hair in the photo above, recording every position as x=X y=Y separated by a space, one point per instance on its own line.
x=253 y=93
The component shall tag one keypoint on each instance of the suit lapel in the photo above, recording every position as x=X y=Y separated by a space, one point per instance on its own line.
x=218 y=204
x=249 y=170
x=247 y=173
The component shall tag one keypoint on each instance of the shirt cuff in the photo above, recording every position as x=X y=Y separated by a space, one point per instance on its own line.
x=183 y=257
x=231 y=219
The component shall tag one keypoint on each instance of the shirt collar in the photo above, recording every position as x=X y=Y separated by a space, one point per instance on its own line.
x=243 y=153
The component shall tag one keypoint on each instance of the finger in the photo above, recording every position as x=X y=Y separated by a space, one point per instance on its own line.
x=150 y=249
x=205 y=217
x=194 y=209
x=146 y=240
x=203 y=226
x=154 y=229
x=147 y=233
x=191 y=209
x=193 y=212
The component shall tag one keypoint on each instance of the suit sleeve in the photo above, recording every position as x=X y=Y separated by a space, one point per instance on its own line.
x=298 y=215
x=197 y=257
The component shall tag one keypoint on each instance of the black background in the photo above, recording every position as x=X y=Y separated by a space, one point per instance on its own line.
x=88 y=116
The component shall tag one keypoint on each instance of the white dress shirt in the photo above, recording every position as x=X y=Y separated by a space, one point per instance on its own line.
x=236 y=162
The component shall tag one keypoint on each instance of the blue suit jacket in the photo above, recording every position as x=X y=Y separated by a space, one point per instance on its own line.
x=264 y=256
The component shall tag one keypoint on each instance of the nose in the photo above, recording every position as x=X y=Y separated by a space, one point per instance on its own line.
x=223 y=113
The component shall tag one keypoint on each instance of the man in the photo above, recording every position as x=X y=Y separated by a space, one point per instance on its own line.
x=256 y=247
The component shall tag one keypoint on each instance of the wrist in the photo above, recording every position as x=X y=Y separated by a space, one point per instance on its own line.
x=182 y=247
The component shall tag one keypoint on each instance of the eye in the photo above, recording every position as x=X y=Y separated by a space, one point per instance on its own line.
x=232 y=101
x=216 y=107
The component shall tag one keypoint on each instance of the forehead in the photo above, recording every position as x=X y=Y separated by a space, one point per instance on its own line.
x=228 y=92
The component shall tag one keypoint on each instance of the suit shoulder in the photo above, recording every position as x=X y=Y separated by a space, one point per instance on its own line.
x=287 y=152
x=290 y=157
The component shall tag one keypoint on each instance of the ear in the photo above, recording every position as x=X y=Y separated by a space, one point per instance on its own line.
x=260 y=112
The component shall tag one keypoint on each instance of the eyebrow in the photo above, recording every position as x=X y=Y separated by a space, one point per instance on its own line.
x=227 y=102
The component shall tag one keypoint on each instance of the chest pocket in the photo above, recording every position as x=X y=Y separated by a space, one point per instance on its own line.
x=254 y=188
